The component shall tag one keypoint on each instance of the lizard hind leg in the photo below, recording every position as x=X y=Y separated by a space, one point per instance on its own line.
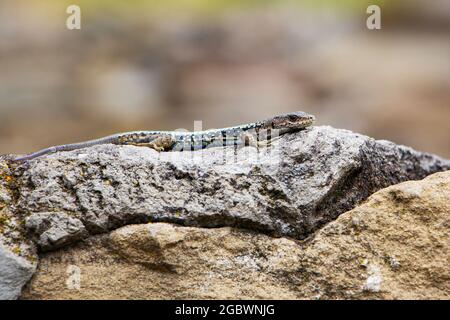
x=160 y=143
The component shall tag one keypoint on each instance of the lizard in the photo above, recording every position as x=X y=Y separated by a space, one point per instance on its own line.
x=241 y=135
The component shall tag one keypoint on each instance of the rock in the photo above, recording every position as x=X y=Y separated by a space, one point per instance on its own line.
x=160 y=260
x=303 y=181
x=55 y=228
x=15 y=271
x=18 y=257
x=394 y=246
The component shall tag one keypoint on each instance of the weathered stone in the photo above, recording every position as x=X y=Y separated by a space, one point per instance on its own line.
x=55 y=229
x=18 y=257
x=394 y=246
x=306 y=180
x=15 y=271
x=164 y=261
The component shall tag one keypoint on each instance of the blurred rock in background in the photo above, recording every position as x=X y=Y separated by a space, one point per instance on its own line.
x=162 y=65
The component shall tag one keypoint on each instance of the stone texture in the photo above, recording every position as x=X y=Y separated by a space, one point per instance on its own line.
x=55 y=228
x=18 y=257
x=164 y=261
x=15 y=271
x=394 y=246
x=304 y=181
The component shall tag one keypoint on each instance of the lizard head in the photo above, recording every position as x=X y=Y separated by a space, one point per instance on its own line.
x=292 y=120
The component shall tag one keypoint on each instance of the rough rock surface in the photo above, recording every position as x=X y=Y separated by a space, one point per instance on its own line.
x=303 y=181
x=394 y=246
x=18 y=257
x=15 y=271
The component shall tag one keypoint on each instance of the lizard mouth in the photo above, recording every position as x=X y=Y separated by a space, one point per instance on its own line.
x=308 y=121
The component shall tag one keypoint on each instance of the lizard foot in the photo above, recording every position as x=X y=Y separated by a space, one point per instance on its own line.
x=267 y=143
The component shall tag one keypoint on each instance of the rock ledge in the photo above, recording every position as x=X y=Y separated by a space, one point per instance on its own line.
x=303 y=181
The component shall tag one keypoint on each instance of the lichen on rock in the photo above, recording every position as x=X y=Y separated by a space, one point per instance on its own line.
x=18 y=258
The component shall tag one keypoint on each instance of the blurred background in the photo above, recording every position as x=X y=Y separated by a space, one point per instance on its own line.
x=149 y=65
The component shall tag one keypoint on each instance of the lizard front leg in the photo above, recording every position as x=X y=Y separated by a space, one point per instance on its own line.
x=249 y=139
x=268 y=142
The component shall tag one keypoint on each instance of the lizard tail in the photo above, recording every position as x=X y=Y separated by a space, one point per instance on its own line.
x=67 y=147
